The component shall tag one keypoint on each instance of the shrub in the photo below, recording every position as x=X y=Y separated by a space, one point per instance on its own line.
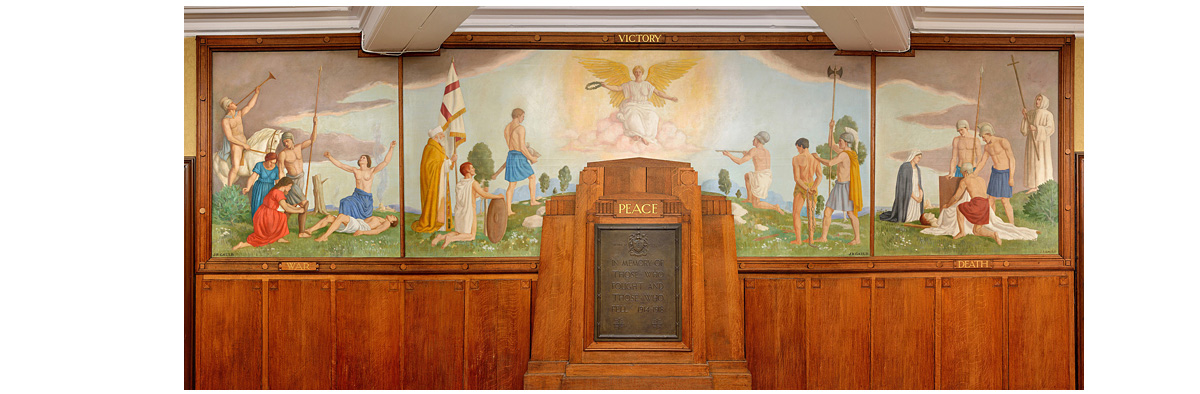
x=229 y=205
x=1043 y=204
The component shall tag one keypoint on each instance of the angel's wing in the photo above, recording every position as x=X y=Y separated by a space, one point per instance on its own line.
x=660 y=75
x=613 y=74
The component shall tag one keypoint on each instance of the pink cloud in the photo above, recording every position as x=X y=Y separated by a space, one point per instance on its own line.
x=609 y=136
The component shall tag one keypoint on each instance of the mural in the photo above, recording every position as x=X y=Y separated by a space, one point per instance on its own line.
x=490 y=134
x=305 y=161
x=966 y=143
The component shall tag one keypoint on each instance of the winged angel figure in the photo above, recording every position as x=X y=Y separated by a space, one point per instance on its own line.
x=635 y=99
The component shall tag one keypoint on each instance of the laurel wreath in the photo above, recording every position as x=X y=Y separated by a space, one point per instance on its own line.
x=593 y=85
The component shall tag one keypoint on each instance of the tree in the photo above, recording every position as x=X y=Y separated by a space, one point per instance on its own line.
x=481 y=158
x=739 y=194
x=564 y=177
x=820 y=204
x=723 y=181
x=544 y=182
x=826 y=153
x=555 y=191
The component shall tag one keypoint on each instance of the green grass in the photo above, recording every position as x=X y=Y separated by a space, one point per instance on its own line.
x=518 y=240
x=894 y=239
x=226 y=235
x=750 y=242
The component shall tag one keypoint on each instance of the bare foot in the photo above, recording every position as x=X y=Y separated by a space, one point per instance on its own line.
x=304 y=234
x=822 y=239
x=510 y=213
x=997 y=238
x=534 y=202
x=960 y=235
x=856 y=241
x=283 y=241
x=239 y=246
x=321 y=239
x=797 y=242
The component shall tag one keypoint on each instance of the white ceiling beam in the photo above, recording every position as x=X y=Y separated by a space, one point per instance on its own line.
x=396 y=30
x=879 y=29
x=640 y=19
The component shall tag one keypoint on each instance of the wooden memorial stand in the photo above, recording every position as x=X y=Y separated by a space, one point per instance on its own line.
x=637 y=284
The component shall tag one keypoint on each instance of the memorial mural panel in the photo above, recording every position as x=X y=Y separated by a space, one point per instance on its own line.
x=527 y=121
x=305 y=159
x=966 y=143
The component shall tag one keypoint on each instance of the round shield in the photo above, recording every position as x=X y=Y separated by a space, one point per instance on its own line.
x=496 y=220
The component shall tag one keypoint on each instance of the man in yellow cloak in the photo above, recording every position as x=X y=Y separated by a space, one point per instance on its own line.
x=434 y=168
x=846 y=195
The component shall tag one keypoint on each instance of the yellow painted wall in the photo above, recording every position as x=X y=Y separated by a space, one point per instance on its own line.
x=189 y=96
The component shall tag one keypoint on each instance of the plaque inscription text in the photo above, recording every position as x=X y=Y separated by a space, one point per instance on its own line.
x=638 y=283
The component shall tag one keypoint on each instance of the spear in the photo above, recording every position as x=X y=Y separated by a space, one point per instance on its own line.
x=978 y=102
x=313 y=146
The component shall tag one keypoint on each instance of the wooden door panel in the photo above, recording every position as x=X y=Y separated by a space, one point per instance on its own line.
x=775 y=353
x=299 y=335
x=902 y=337
x=433 y=335
x=839 y=323
x=229 y=351
x=971 y=333
x=1040 y=339
x=368 y=335
x=497 y=334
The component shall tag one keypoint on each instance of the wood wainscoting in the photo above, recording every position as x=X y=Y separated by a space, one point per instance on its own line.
x=976 y=330
x=362 y=332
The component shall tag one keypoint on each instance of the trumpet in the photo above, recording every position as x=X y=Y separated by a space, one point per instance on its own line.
x=732 y=151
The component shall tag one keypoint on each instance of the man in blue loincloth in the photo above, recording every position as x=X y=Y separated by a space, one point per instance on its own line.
x=518 y=164
x=1001 y=182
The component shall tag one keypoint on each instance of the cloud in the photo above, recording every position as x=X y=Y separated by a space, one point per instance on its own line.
x=343 y=110
x=609 y=136
x=803 y=66
x=467 y=63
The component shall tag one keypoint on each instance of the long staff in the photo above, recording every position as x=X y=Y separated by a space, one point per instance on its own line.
x=313 y=145
x=269 y=77
x=835 y=73
x=1036 y=152
x=978 y=102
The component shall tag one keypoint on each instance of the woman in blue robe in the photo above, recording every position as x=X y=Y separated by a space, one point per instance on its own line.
x=261 y=181
x=908 y=183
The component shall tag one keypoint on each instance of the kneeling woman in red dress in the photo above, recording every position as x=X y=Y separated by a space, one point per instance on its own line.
x=270 y=225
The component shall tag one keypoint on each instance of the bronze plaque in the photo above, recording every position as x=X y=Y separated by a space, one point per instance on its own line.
x=638 y=283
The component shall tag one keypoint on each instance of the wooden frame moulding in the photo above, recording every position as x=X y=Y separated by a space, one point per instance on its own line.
x=206 y=45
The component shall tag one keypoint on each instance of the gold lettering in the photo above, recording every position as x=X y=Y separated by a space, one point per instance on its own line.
x=972 y=264
x=639 y=38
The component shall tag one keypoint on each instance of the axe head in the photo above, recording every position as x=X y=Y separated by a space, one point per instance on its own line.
x=270 y=76
x=831 y=72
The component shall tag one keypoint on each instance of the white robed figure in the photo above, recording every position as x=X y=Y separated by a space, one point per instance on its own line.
x=635 y=99
x=465 y=192
x=1037 y=126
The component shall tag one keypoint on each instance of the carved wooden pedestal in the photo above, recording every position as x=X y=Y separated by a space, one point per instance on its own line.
x=638 y=284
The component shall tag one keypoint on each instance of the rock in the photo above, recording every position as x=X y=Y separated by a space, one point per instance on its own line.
x=534 y=221
x=738 y=211
x=739 y=220
x=760 y=227
x=541 y=210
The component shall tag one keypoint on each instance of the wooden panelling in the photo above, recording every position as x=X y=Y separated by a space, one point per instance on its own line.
x=554 y=291
x=432 y=357
x=971 y=333
x=1040 y=339
x=497 y=333
x=902 y=335
x=775 y=333
x=723 y=291
x=299 y=334
x=368 y=335
x=229 y=335
x=839 y=322
x=189 y=273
